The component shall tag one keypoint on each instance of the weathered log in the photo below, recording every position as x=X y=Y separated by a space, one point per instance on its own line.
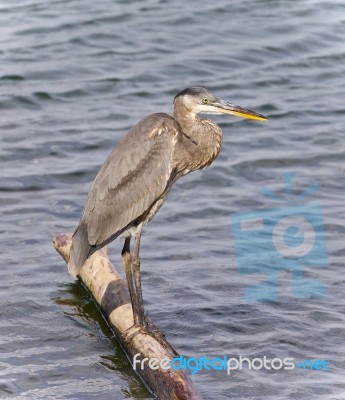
x=111 y=294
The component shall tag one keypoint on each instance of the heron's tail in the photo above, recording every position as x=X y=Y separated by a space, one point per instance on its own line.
x=80 y=250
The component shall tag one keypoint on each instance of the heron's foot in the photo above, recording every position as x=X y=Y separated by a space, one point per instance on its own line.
x=145 y=325
x=132 y=331
x=148 y=329
x=139 y=326
x=157 y=334
x=153 y=331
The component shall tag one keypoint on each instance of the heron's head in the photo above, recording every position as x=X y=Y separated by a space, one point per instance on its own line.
x=199 y=100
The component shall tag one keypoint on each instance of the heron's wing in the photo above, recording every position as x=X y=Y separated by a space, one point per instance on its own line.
x=134 y=176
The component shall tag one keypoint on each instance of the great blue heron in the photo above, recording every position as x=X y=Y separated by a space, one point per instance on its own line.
x=134 y=181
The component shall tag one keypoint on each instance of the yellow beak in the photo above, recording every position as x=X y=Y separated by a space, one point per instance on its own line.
x=228 y=108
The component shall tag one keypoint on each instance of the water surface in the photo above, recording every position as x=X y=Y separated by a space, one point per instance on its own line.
x=74 y=77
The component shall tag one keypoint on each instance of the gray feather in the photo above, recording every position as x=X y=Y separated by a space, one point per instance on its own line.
x=135 y=175
x=80 y=250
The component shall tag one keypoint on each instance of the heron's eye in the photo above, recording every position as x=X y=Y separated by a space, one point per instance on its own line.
x=204 y=101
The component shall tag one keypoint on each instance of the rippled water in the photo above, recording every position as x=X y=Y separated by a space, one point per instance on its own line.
x=74 y=77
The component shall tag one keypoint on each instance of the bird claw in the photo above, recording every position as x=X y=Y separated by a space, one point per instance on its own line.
x=131 y=332
x=153 y=331
x=145 y=328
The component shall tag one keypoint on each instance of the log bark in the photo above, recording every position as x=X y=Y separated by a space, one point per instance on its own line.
x=111 y=295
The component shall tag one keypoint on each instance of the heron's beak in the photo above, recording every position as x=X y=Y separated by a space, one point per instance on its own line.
x=227 y=108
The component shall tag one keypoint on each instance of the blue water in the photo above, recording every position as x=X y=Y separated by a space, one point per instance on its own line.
x=74 y=77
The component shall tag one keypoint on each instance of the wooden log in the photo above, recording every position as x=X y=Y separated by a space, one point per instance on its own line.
x=111 y=295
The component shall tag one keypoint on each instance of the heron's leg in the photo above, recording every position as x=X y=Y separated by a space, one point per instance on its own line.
x=127 y=265
x=140 y=317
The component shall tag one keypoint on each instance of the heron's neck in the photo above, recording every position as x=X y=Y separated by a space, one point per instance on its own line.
x=185 y=118
x=199 y=146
